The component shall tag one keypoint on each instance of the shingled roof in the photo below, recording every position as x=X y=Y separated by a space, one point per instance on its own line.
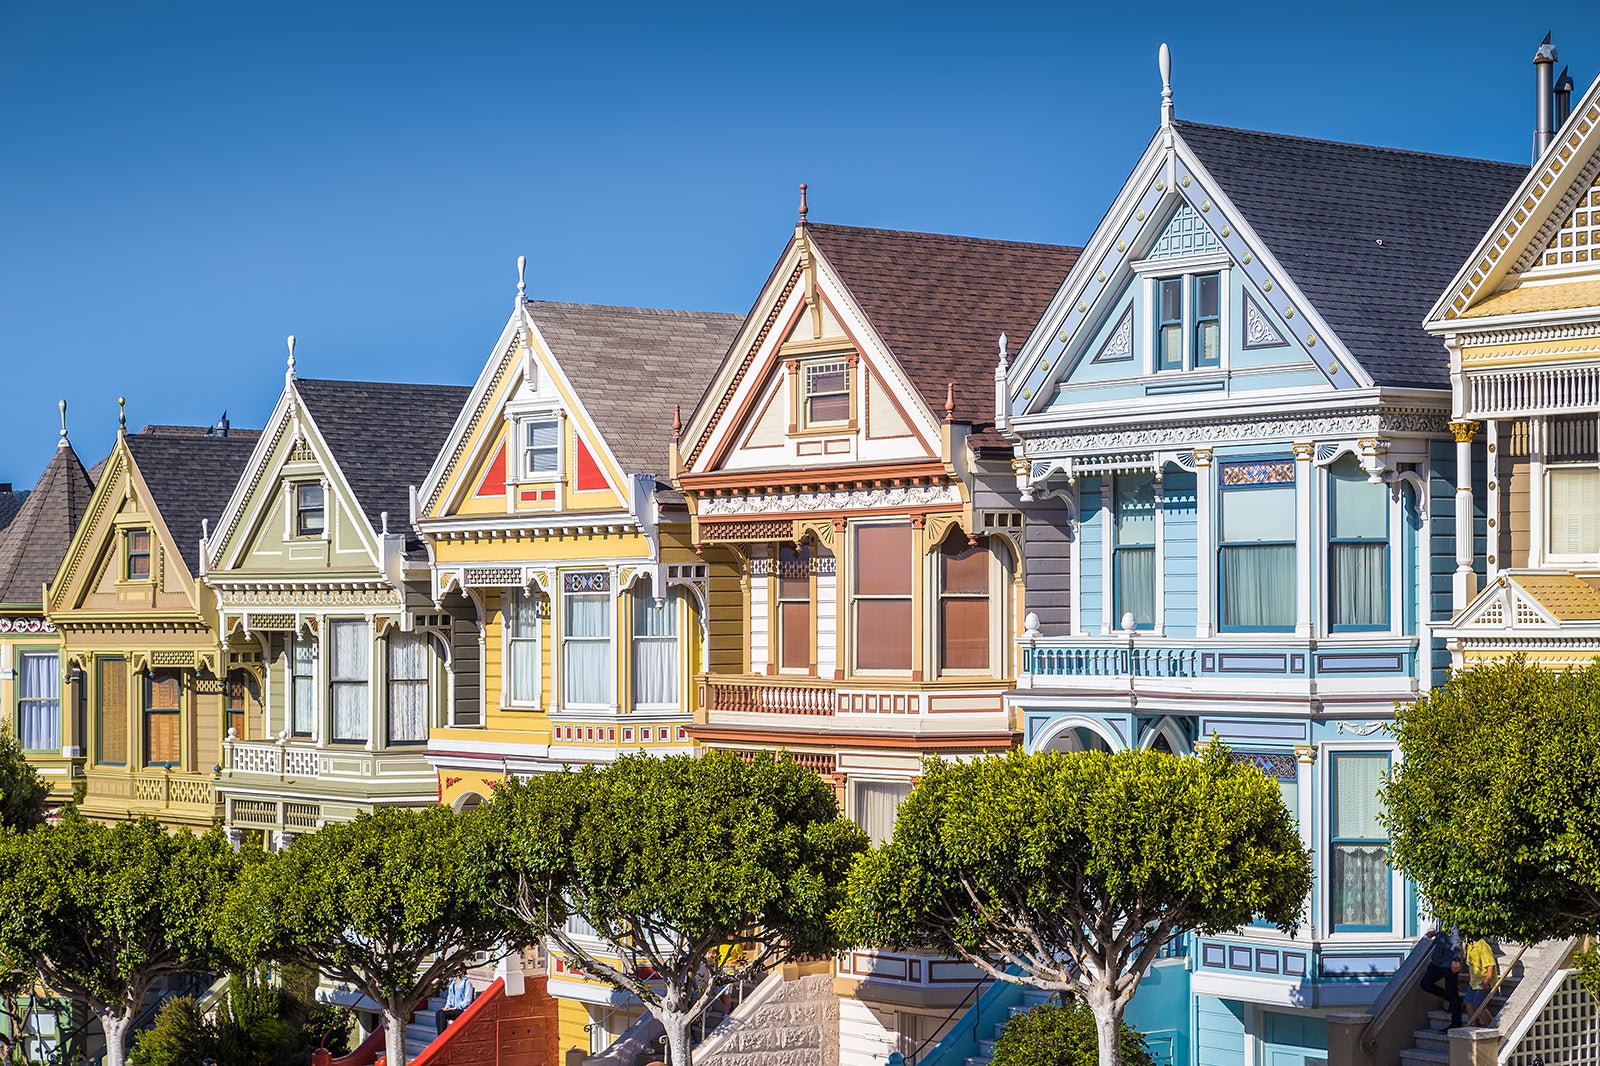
x=632 y=365
x=1370 y=235
x=385 y=437
x=191 y=472
x=940 y=303
x=11 y=501
x=32 y=546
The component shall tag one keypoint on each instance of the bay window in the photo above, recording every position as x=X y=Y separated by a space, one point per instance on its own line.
x=1257 y=552
x=1358 y=548
x=881 y=603
x=586 y=670
x=39 y=700
x=963 y=604
x=655 y=646
x=349 y=673
x=1359 y=874
x=794 y=609
x=520 y=608
x=406 y=677
x=1134 y=548
x=163 y=716
x=302 y=685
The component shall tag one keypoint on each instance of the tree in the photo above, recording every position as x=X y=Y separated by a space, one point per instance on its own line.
x=381 y=903
x=1056 y=1034
x=1073 y=870
x=1494 y=808
x=23 y=793
x=106 y=913
x=694 y=872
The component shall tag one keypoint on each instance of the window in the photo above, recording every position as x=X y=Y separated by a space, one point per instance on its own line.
x=794 y=608
x=963 y=604
x=163 y=717
x=243 y=698
x=39 y=700
x=303 y=685
x=111 y=710
x=586 y=672
x=407 y=678
x=1358 y=892
x=349 y=671
x=310 y=510
x=875 y=805
x=138 y=554
x=1575 y=510
x=882 y=569
x=1169 y=324
x=827 y=392
x=1358 y=548
x=1208 y=320
x=541 y=447
x=655 y=647
x=522 y=644
x=1134 y=549
x=1193 y=301
x=1258 y=551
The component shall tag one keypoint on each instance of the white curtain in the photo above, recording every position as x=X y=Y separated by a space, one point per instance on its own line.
x=304 y=663
x=522 y=612
x=1258 y=586
x=655 y=647
x=349 y=665
x=1360 y=868
x=1360 y=584
x=1136 y=585
x=39 y=701
x=586 y=649
x=408 y=688
x=876 y=804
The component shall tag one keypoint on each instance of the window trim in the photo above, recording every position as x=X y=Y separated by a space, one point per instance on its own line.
x=1220 y=544
x=298 y=488
x=1546 y=475
x=129 y=555
x=20 y=652
x=1197 y=320
x=610 y=639
x=330 y=683
x=522 y=424
x=509 y=638
x=996 y=580
x=810 y=367
x=1387 y=540
x=146 y=711
x=1329 y=756
x=98 y=711
x=1187 y=269
x=1154 y=548
x=910 y=598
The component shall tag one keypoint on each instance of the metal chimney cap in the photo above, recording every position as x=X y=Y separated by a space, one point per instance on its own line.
x=1564 y=83
x=1546 y=52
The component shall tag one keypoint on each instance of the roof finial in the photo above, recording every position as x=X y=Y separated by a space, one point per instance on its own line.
x=62 y=443
x=677 y=422
x=950 y=402
x=1164 y=60
x=522 y=279
x=803 y=207
x=289 y=375
x=1005 y=351
x=122 y=416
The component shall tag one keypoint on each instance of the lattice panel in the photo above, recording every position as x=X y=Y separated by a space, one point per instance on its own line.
x=1566 y=1031
x=1579 y=236
x=1186 y=234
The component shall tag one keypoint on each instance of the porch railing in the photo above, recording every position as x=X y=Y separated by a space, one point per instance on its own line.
x=769 y=696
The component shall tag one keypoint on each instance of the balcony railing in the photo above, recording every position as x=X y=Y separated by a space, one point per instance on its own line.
x=1101 y=660
x=1532 y=391
x=269 y=757
x=769 y=696
x=149 y=790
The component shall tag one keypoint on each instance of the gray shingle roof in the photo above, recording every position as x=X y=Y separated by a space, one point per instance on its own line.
x=632 y=365
x=1323 y=206
x=32 y=546
x=385 y=437
x=191 y=476
x=11 y=501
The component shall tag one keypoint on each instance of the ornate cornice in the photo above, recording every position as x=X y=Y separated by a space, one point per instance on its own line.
x=1243 y=429
x=904 y=497
x=352 y=595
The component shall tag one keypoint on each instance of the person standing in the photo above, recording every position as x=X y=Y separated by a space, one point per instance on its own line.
x=1441 y=978
x=1481 y=969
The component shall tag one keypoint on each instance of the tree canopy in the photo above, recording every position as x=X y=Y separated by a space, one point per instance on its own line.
x=1494 y=808
x=1070 y=872
x=23 y=793
x=701 y=871
x=381 y=903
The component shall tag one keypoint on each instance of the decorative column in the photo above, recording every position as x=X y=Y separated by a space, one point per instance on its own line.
x=1463 y=583
x=1205 y=535
x=1305 y=545
x=1159 y=619
x=1305 y=797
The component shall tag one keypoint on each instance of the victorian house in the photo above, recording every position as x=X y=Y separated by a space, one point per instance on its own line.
x=338 y=661
x=138 y=630
x=49 y=729
x=1234 y=402
x=548 y=516
x=843 y=455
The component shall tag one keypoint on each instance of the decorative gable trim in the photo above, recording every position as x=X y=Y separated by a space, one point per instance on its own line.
x=1259 y=330
x=1504 y=606
x=1186 y=235
x=1576 y=237
x=1118 y=347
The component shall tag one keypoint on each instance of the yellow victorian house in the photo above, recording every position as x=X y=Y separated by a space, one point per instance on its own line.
x=1521 y=322
x=31 y=677
x=138 y=630
x=549 y=509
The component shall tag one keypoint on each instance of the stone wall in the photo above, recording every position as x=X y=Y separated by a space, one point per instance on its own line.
x=799 y=1026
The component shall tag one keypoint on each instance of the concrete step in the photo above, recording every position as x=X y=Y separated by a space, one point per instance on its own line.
x=1421 y=1056
x=1432 y=1039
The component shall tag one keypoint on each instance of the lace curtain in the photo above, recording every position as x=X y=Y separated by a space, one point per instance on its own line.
x=349 y=669
x=586 y=649
x=408 y=688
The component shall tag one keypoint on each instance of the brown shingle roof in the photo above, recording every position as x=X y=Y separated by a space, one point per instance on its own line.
x=940 y=303
x=191 y=473
x=32 y=546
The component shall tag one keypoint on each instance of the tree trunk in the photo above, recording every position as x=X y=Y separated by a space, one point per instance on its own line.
x=1107 y=1025
x=116 y=1028
x=394 y=1036
x=677 y=1026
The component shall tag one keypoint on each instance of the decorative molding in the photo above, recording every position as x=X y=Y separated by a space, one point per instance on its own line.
x=590 y=581
x=1464 y=431
x=507 y=360
x=1170 y=433
x=26 y=625
x=749 y=530
x=1280 y=764
x=1259 y=332
x=1365 y=729
x=1260 y=472
x=1543 y=240
x=900 y=497
x=1118 y=347
x=1185 y=235
x=237 y=599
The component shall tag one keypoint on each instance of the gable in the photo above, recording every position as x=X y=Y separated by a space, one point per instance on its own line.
x=1504 y=607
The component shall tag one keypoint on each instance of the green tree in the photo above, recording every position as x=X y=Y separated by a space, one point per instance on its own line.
x=180 y=1036
x=23 y=793
x=381 y=903
x=106 y=913
x=1056 y=1034
x=1076 y=869
x=703 y=871
x=1494 y=808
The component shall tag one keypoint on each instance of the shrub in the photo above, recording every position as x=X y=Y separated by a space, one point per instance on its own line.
x=179 y=1037
x=1057 y=1035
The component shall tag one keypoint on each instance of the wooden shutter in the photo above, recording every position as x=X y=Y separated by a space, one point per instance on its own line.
x=112 y=710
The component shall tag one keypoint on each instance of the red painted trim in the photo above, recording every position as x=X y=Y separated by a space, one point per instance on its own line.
x=494 y=482
x=366 y=1053
x=590 y=477
x=494 y=993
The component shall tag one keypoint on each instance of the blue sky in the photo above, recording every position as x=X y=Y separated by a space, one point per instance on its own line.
x=185 y=183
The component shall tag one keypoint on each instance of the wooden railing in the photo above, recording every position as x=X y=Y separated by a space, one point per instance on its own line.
x=1532 y=391
x=769 y=696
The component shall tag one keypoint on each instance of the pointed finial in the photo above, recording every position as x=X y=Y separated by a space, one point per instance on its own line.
x=803 y=207
x=950 y=402
x=677 y=422
x=1164 y=60
x=1005 y=351
x=289 y=375
x=62 y=443
x=522 y=279
x=122 y=416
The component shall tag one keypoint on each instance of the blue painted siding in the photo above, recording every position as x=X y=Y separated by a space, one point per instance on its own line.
x=1160 y=1010
x=1441 y=563
x=1181 y=547
x=1091 y=584
x=1219 y=1032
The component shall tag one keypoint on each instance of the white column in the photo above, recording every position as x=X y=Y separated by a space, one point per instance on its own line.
x=1305 y=545
x=1205 y=542
x=1536 y=493
x=1305 y=797
x=1463 y=583
x=1075 y=558
x=1160 y=617
x=374 y=673
x=1108 y=584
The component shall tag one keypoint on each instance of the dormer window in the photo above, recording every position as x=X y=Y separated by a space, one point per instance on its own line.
x=310 y=509
x=541 y=448
x=1188 y=322
x=138 y=555
x=827 y=392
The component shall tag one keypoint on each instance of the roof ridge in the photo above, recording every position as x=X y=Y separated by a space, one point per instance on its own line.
x=882 y=232
x=1414 y=152
x=385 y=384
x=673 y=311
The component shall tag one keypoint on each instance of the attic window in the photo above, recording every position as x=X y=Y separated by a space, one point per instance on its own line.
x=827 y=392
x=1193 y=301
x=138 y=554
x=310 y=509
x=541 y=440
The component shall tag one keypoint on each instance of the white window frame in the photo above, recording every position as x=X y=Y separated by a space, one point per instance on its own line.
x=508 y=637
x=426 y=681
x=562 y=640
x=296 y=639
x=1546 y=476
x=520 y=426
x=853 y=797
x=1322 y=847
x=1152 y=272
x=998 y=598
x=1397 y=562
x=367 y=684
x=297 y=507
x=812 y=368
x=673 y=605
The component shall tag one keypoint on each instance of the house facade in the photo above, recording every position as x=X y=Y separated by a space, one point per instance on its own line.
x=1250 y=434
x=140 y=643
x=338 y=660
x=548 y=514
x=842 y=455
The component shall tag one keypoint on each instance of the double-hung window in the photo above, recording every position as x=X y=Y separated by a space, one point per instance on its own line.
x=111 y=710
x=310 y=509
x=39 y=700
x=963 y=604
x=302 y=685
x=1573 y=483
x=1358 y=548
x=586 y=670
x=163 y=716
x=138 y=554
x=541 y=447
x=406 y=676
x=349 y=674
x=794 y=609
x=827 y=392
x=655 y=647
x=1188 y=320
x=1257 y=553
x=521 y=606
x=1134 y=548
x=1359 y=883
x=876 y=805
x=882 y=600
x=240 y=690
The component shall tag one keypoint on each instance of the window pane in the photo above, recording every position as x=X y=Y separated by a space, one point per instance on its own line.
x=1136 y=585
x=522 y=616
x=1258 y=587
x=1360 y=573
x=649 y=619
x=161 y=737
x=965 y=568
x=1208 y=343
x=1575 y=511
x=794 y=570
x=834 y=408
x=408 y=687
x=1207 y=290
x=1359 y=886
x=1172 y=300
x=883 y=634
x=883 y=560
x=303 y=665
x=829 y=377
x=165 y=689
x=1264 y=513
x=876 y=805
x=964 y=634
x=1169 y=354
x=588 y=616
x=112 y=690
x=1360 y=506
x=1136 y=509
x=347 y=650
x=586 y=652
x=1356 y=781
x=39 y=701
x=794 y=635
x=542 y=441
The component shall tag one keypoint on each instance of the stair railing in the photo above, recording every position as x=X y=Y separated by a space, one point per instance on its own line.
x=1395 y=992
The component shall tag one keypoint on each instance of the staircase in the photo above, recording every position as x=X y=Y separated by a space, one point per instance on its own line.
x=423 y=1029
x=1031 y=998
x=1433 y=1043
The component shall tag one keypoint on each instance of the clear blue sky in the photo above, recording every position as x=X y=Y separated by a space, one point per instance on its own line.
x=185 y=183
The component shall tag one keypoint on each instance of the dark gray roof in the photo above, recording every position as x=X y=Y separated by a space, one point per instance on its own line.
x=33 y=545
x=385 y=437
x=632 y=365
x=1322 y=207
x=191 y=474
x=11 y=502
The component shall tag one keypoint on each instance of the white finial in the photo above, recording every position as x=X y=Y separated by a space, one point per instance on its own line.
x=62 y=443
x=1005 y=354
x=522 y=279
x=288 y=375
x=1165 y=60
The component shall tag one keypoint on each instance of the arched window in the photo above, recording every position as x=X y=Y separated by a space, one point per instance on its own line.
x=964 y=586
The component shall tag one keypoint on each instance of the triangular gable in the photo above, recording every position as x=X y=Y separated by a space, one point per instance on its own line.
x=491 y=477
x=1504 y=607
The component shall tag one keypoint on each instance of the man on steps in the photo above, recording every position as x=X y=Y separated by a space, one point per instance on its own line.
x=1444 y=968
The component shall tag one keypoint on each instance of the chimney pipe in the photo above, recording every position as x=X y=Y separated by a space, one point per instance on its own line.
x=1544 y=61
x=1563 y=98
x=222 y=425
